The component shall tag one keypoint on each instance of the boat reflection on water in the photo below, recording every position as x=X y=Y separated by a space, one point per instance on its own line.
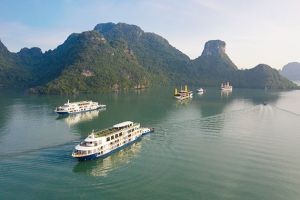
x=200 y=93
x=102 y=167
x=226 y=93
x=79 y=117
x=183 y=102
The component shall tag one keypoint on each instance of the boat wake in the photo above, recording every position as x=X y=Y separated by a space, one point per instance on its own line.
x=35 y=150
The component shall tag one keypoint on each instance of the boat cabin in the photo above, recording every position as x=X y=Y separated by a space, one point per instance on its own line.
x=123 y=125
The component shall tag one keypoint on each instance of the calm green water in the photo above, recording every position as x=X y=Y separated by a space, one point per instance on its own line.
x=215 y=146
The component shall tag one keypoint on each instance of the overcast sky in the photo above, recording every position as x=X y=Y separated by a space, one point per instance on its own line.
x=255 y=31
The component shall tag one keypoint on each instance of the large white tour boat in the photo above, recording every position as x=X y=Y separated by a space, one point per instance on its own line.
x=77 y=107
x=102 y=143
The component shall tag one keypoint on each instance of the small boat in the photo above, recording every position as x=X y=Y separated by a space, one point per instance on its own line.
x=147 y=130
x=183 y=94
x=226 y=87
x=102 y=143
x=200 y=90
x=78 y=107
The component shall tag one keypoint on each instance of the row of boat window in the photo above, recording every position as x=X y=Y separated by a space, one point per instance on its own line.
x=118 y=144
x=85 y=152
x=131 y=130
x=84 y=104
x=117 y=135
x=114 y=136
x=91 y=144
x=118 y=139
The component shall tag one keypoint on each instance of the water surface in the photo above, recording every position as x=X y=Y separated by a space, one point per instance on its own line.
x=216 y=146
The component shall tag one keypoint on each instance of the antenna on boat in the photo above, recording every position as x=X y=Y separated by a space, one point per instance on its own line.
x=93 y=134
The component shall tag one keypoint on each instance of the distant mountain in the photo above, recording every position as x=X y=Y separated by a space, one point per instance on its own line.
x=122 y=56
x=262 y=76
x=89 y=63
x=13 y=69
x=7 y=64
x=291 y=71
x=214 y=58
x=214 y=65
x=152 y=51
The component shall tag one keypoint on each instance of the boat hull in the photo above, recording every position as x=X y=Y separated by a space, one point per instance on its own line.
x=184 y=97
x=70 y=113
x=96 y=156
x=226 y=89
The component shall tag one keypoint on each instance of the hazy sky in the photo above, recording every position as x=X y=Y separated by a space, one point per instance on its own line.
x=255 y=31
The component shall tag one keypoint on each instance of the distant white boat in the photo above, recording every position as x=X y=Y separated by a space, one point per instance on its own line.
x=78 y=107
x=200 y=90
x=226 y=87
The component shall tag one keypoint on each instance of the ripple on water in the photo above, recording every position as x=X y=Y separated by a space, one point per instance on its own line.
x=223 y=156
x=243 y=155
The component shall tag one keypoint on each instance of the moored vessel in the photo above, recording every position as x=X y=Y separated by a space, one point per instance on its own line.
x=183 y=94
x=200 y=90
x=78 y=107
x=102 y=143
x=226 y=87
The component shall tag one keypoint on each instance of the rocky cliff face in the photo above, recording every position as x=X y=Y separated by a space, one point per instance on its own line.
x=2 y=47
x=214 y=52
x=214 y=47
x=291 y=71
x=152 y=51
x=121 y=30
x=214 y=60
x=116 y=56
x=7 y=59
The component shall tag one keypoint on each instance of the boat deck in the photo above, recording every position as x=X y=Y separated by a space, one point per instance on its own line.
x=111 y=130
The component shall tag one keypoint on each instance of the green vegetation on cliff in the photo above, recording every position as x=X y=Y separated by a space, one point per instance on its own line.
x=214 y=67
x=122 y=56
x=262 y=76
x=152 y=51
x=91 y=64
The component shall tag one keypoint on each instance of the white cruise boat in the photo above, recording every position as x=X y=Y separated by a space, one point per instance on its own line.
x=226 y=87
x=78 y=107
x=102 y=143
